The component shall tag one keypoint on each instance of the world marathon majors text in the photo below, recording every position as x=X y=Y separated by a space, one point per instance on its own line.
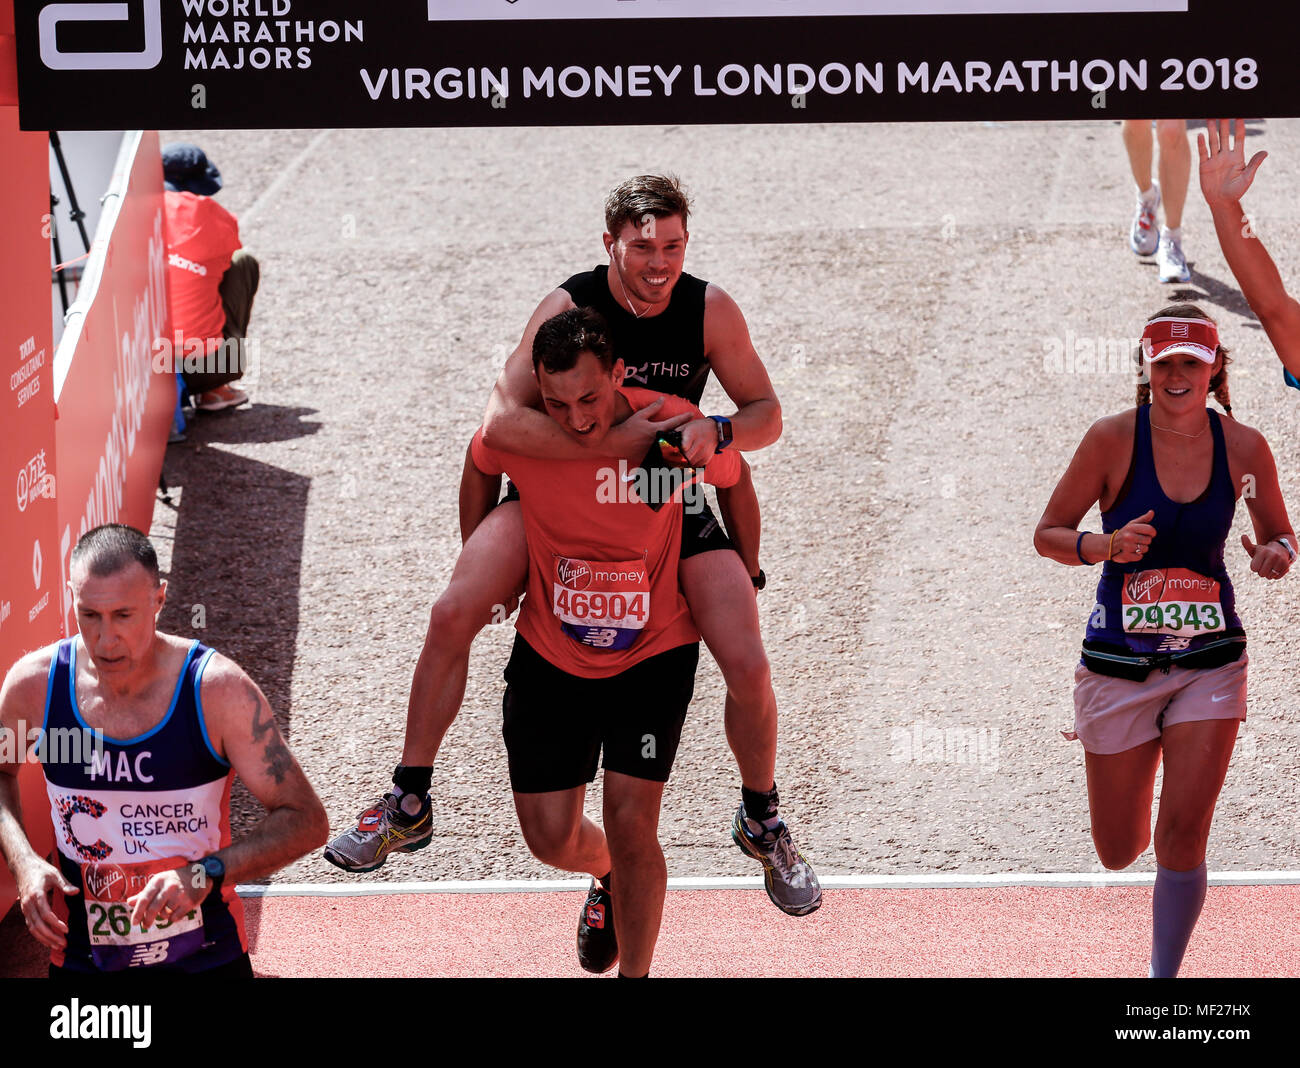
x=794 y=79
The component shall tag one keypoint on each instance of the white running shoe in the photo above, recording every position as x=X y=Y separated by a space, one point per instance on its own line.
x=1172 y=263
x=1143 y=237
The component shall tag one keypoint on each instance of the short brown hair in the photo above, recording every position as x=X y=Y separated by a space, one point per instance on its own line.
x=658 y=195
x=563 y=338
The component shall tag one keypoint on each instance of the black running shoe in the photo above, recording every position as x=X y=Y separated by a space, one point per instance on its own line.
x=597 y=943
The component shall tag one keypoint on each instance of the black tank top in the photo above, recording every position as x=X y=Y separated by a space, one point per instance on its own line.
x=663 y=352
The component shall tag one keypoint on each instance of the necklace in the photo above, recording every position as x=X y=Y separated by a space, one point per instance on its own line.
x=1170 y=430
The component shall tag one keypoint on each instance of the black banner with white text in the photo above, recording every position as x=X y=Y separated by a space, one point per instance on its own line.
x=220 y=64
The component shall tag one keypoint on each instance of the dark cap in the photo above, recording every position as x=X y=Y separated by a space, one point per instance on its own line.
x=186 y=170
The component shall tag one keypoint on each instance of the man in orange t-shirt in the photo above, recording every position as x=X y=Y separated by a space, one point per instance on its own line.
x=211 y=280
x=605 y=650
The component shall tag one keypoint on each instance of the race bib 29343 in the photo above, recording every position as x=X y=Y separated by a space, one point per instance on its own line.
x=1171 y=600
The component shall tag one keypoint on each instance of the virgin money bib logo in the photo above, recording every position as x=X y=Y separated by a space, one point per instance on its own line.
x=574 y=574
x=1145 y=587
x=104 y=882
x=53 y=15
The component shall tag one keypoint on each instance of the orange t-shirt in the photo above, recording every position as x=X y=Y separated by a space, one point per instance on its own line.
x=602 y=589
x=201 y=238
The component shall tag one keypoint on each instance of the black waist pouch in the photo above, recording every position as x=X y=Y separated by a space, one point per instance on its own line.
x=1119 y=662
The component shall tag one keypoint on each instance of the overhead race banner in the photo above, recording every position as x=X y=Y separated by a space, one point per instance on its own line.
x=452 y=10
x=214 y=64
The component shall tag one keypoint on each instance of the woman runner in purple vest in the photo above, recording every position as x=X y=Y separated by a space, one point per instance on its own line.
x=1163 y=670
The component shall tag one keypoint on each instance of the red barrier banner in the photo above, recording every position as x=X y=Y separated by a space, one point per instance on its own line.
x=114 y=410
x=29 y=571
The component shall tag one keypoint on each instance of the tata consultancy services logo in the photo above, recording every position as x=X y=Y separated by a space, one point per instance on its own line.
x=53 y=14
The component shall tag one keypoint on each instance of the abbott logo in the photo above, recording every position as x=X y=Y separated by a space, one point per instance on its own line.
x=53 y=14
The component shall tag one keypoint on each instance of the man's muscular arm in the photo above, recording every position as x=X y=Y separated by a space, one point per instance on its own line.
x=514 y=423
x=242 y=729
x=740 y=515
x=757 y=422
x=478 y=495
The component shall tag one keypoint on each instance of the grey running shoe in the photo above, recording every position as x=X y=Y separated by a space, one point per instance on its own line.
x=1143 y=237
x=1172 y=262
x=381 y=829
x=791 y=883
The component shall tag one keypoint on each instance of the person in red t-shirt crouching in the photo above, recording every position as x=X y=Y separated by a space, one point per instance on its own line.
x=211 y=279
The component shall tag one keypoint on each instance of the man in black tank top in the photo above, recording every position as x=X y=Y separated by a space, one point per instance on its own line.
x=670 y=329
x=663 y=352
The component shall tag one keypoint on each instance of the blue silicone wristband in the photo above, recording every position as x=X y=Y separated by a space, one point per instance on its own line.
x=719 y=420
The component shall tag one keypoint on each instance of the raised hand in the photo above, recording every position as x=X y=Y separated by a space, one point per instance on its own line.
x=1225 y=176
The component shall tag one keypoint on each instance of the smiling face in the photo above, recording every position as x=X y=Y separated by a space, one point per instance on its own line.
x=582 y=399
x=1180 y=383
x=647 y=260
x=117 y=614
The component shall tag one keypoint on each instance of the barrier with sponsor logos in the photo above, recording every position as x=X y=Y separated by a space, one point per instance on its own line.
x=85 y=427
x=28 y=577
x=114 y=411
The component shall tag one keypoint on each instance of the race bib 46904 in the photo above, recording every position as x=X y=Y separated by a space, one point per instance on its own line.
x=601 y=603
x=1171 y=600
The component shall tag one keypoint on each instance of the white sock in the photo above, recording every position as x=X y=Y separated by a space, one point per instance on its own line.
x=1167 y=234
x=1149 y=197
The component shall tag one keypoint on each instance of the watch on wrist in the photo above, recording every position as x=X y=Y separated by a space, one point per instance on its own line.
x=1290 y=551
x=724 y=430
x=214 y=870
x=759 y=580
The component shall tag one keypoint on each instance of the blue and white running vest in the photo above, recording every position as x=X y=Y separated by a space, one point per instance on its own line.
x=128 y=808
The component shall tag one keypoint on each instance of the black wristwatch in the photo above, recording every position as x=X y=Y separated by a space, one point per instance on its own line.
x=759 y=580
x=214 y=870
x=724 y=430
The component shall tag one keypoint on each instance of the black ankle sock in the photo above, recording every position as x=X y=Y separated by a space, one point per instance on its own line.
x=413 y=780
x=622 y=976
x=760 y=806
x=604 y=879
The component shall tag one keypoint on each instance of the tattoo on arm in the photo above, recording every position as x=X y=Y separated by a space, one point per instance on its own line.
x=277 y=756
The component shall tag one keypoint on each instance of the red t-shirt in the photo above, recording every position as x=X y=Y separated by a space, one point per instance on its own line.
x=201 y=238
x=602 y=565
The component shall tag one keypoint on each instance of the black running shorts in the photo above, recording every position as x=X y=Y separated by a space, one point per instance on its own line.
x=556 y=724
x=702 y=532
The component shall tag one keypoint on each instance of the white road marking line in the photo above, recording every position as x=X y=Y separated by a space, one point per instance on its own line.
x=830 y=882
x=282 y=179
